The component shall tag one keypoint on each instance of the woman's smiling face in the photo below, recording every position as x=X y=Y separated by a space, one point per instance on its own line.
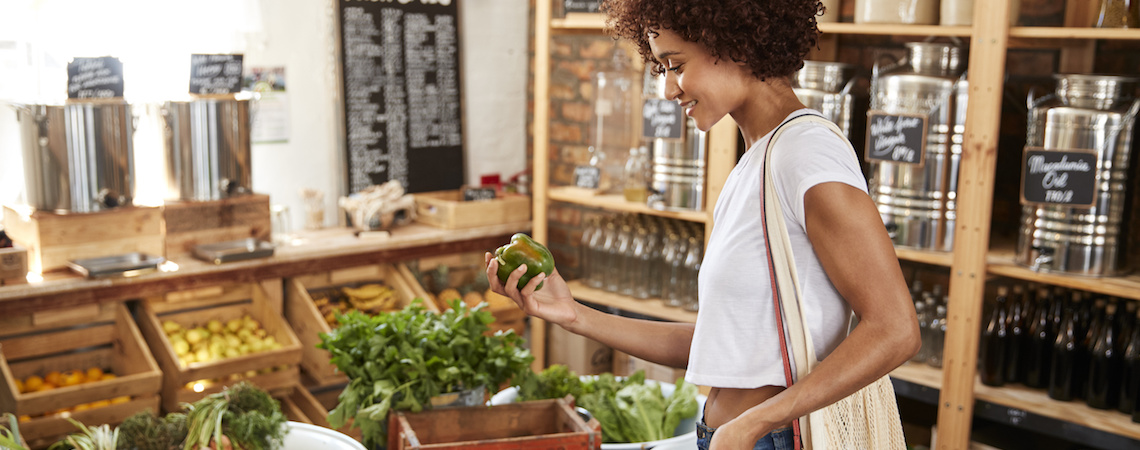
x=706 y=88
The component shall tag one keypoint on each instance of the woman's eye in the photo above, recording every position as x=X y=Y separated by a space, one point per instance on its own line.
x=674 y=69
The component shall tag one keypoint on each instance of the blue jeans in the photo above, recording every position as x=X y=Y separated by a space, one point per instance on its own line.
x=778 y=439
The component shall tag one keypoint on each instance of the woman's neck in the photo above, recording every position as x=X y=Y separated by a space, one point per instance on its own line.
x=766 y=106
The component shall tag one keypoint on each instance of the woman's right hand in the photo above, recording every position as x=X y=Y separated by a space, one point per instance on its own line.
x=553 y=303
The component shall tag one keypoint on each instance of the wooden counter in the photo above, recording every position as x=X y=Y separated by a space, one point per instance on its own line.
x=310 y=251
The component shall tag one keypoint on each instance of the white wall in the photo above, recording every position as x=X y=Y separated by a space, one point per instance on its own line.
x=297 y=34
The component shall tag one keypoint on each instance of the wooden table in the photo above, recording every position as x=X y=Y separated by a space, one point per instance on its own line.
x=310 y=251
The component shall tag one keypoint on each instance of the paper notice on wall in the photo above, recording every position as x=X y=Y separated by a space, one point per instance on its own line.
x=271 y=110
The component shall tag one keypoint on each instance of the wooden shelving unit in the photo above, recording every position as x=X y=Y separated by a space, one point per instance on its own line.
x=652 y=307
x=614 y=202
x=972 y=262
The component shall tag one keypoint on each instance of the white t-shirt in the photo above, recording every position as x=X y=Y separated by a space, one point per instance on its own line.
x=736 y=344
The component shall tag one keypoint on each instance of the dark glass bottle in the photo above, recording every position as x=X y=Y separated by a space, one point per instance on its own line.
x=994 y=342
x=1061 y=367
x=1088 y=336
x=1056 y=310
x=923 y=330
x=1130 y=375
x=1039 y=347
x=1014 y=371
x=1102 y=385
x=937 y=336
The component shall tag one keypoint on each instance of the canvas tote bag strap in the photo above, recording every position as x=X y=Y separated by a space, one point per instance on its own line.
x=786 y=291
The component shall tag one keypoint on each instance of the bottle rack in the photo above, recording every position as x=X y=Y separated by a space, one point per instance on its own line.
x=955 y=390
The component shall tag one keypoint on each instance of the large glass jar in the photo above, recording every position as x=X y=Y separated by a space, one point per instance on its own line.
x=674 y=266
x=613 y=127
x=605 y=255
x=693 y=258
x=639 y=263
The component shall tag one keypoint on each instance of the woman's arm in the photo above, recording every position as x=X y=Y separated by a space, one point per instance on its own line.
x=848 y=236
x=659 y=342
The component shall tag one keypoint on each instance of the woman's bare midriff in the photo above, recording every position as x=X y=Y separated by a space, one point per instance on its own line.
x=724 y=404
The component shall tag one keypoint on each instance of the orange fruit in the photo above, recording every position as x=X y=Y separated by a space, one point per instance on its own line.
x=94 y=374
x=46 y=387
x=33 y=383
x=99 y=404
x=72 y=378
x=83 y=407
x=19 y=386
x=123 y=399
x=54 y=377
x=25 y=418
x=107 y=376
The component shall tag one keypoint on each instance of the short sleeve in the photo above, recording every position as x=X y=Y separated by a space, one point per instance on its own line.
x=807 y=155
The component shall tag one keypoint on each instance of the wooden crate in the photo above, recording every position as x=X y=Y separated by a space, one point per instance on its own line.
x=445 y=209
x=13 y=265
x=308 y=322
x=535 y=424
x=221 y=303
x=186 y=224
x=53 y=239
x=466 y=270
x=300 y=405
x=52 y=341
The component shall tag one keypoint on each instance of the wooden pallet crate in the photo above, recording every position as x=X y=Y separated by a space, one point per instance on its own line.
x=13 y=265
x=186 y=224
x=54 y=239
x=445 y=209
x=189 y=383
x=534 y=424
x=463 y=272
x=303 y=315
x=104 y=336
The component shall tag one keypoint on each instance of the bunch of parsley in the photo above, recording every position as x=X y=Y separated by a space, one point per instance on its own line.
x=401 y=360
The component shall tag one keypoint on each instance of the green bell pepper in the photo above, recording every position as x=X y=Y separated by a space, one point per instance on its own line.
x=524 y=250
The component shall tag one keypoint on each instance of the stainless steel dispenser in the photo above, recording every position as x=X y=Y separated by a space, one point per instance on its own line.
x=207 y=144
x=78 y=156
x=826 y=87
x=1086 y=112
x=917 y=201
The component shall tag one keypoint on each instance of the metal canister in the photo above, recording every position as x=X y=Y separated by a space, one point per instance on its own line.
x=207 y=146
x=678 y=167
x=826 y=87
x=78 y=156
x=917 y=201
x=1086 y=112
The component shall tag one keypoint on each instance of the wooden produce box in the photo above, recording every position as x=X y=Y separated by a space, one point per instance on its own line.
x=62 y=341
x=277 y=369
x=13 y=265
x=534 y=424
x=186 y=224
x=307 y=320
x=583 y=355
x=464 y=275
x=445 y=209
x=54 y=239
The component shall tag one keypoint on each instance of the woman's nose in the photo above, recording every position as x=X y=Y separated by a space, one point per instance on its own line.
x=672 y=88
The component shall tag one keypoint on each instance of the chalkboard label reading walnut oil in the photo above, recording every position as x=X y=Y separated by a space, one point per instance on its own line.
x=662 y=119
x=215 y=74
x=95 y=77
x=1059 y=177
x=588 y=177
x=896 y=138
x=401 y=89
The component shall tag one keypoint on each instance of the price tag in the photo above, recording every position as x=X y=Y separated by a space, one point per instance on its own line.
x=95 y=77
x=581 y=6
x=475 y=194
x=1059 y=177
x=896 y=138
x=662 y=119
x=588 y=177
x=215 y=74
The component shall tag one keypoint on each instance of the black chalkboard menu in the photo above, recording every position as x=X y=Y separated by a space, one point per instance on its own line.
x=1059 y=177
x=581 y=6
x=95 y=77
x=896 y=138
x=662 y=118
x=215 y=74
x=401 y=88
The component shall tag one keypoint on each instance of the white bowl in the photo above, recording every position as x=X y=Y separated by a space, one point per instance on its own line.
x=303 y=436
x=686 y=431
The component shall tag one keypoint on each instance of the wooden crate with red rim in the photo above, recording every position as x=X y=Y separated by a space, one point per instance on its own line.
x=275 y=371
x=62 y=342
x=303 y=314
x=465 y=278
x=534 y=424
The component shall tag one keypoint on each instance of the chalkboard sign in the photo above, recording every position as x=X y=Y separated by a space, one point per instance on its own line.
x=662 y=119
x=215 y=74
x=1059 y=177
x=95 y=78
x=588 y=177
x=475 y=194
x=897 y=138
x=581 y=6
x=401 y=87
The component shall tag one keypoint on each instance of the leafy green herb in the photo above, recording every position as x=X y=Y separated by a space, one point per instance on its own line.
x=10 y=435
x=631 y=410
x=244 y=414
x=102 y=437
x=145 y=431
x=401 y=360
x=556 y=381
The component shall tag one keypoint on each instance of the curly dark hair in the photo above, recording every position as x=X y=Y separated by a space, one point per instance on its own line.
x=771 y=37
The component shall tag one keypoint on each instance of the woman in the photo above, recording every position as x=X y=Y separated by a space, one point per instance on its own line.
x=735 y=57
